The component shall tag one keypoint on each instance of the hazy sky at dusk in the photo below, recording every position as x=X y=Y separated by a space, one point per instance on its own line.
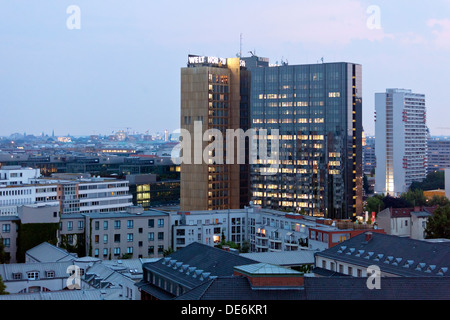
x=122 y=68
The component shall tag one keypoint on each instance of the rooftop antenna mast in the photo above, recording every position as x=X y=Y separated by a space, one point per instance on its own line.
x=240 y=47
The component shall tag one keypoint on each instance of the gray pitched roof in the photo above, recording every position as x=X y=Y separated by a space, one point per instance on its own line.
x=91 y=294
x=46 y=252
x=196 y=263
x=395 y=255
x=320 y=288
x=59 y=269
x=392 y=288
x=239 y=288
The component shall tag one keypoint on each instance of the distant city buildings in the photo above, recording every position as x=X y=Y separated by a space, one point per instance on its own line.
x=438 y=154
x=148 y=192
x=401 y=140
x=369 y=162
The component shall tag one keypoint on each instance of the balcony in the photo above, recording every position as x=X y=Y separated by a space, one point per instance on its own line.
x=261 y=236
x=273 y=239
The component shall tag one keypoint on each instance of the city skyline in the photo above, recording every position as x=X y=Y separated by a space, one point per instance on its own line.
x=121 y=68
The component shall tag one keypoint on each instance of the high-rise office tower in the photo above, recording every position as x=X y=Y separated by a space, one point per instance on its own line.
x=401 y=140
x=317 y=109
x=214 y=96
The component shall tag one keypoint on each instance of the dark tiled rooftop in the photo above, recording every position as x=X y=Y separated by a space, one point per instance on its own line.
x=395 y=255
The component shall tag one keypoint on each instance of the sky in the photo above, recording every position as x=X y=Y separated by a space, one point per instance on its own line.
x=115 y=65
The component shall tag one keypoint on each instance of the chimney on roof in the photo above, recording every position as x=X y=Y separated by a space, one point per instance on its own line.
x=369 y=236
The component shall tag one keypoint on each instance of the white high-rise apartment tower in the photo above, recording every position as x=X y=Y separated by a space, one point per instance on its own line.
x=401 y=140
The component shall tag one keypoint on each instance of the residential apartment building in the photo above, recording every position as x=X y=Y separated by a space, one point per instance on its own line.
x=213 y=97
x=8 y=237
x=209 y=227
x=263 y=230
x=133 y=233
x=49 y=271
x=405 y=222
x=394 y=256
x=317 y=110
x=438 y=154
x=401 y=140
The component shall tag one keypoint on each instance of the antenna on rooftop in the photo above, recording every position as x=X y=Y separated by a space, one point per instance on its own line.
x=240 y=47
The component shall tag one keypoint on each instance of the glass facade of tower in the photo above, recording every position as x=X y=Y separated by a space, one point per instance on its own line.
x=318 y=112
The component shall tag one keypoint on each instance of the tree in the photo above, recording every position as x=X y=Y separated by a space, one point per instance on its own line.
x=168 y=252
x=391 y=202
x=438 y=225
x=375 y=204
x=414 y=198
x=434 y=180
x=245 y=246
x=3 y=256
x=2 y=288
x=438 y=201
x=366 y=184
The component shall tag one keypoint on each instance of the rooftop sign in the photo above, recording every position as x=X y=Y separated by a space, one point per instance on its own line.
x=192 y=60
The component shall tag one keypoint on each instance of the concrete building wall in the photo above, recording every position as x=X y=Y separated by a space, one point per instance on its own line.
x=112 y=237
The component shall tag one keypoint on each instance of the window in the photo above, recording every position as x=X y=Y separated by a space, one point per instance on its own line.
x=7 y=242
x=151 y=236
x=17 y=276
x=117 y=238
x=141 y=230
x=350 y=271
x=130 y=250
x=130 y=224
x=160 y=223
x=97 y=225
x=80 y=225
x=6 y=228
x=130 y=237
x=151 y=223
x=97 y=238
x=117 y=224
x=116 y=251
x=160 y=235
x=160 y=249
x=105 y=225
x=105 y=252
x=96 y=253
x=33 y=275
x=70 y=225
x=105 y=238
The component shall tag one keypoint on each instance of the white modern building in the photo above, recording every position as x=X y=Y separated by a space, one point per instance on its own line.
x=75 y=194
x=16 y=175
x=401 y=140
x=264 y=230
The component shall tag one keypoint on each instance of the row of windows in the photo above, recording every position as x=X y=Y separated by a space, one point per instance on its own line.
x=117 y=224
x=130 y=237
x=129 y=251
